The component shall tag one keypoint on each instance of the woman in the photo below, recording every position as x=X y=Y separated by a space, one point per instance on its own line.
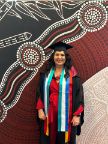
x=60 y=101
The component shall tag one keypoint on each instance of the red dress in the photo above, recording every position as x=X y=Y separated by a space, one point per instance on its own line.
x=53 y=109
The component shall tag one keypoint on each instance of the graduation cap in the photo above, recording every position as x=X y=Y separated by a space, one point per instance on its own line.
x=60 y=46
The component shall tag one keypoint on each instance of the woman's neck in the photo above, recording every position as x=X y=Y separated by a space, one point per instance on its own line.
x=58 y=70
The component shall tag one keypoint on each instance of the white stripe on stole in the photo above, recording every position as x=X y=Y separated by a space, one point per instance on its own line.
x=45 y=96
x=63 y=115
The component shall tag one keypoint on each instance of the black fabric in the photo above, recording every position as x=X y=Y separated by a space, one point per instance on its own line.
x=60 y=138
x=73 y=135
x=78 y=99
x=43 y=138
x=60 y=46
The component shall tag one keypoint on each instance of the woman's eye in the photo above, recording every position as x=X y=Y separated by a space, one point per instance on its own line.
x=60 y=55
x=56 y=55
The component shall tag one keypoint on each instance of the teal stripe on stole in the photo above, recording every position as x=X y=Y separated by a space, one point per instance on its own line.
x=48 y=85
x=60 y=100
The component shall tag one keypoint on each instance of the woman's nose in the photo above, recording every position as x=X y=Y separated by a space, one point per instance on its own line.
x=59 y=56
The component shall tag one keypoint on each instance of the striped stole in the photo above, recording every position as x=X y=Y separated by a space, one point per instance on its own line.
x=64 y=104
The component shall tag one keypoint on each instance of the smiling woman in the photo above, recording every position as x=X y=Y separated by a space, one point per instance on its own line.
x=60 y=102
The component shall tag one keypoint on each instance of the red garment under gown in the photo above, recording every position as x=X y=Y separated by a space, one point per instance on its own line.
x=53 y=109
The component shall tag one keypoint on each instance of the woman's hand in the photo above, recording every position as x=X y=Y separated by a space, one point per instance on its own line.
x=41 y=114
x=75 y=120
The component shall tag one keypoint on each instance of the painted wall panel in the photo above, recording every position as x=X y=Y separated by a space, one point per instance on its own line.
x=27 y=28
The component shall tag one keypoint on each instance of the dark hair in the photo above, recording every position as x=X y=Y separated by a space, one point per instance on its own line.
x=67 y=65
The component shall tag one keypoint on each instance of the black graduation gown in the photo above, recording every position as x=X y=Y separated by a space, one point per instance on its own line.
x=77 y=100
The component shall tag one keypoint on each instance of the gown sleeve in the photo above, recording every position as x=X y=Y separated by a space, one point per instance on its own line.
x=39 y=104
x=39 y=93
x=79 y=111
x=78 y=101
x=78 y=96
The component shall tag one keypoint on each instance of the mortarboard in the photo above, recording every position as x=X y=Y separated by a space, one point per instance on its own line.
x=60 y=46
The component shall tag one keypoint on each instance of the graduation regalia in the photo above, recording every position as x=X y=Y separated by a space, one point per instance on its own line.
x=60 y=103
x=77 y=109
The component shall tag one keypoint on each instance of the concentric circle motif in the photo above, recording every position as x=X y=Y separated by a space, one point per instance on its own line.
x=92 y=16
x=30 y=56
x=3 y=111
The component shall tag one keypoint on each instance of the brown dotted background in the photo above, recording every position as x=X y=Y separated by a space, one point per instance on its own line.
x=90 y=55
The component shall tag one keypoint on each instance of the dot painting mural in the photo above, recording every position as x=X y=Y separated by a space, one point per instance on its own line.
x=27 y=28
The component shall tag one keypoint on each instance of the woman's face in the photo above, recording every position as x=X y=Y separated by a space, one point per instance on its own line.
x=59 y=58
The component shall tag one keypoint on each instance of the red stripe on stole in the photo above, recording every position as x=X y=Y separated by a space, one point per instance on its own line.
x=70 y=105
x=45 y=126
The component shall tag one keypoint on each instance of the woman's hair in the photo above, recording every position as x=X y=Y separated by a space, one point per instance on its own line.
x=67 y=65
